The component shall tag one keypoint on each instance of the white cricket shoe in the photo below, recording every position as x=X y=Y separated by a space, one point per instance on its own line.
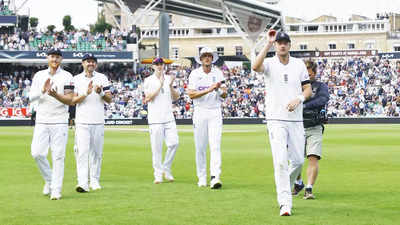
x=202 y=182
x=168 y=176
x=285 y=210
x=215 y=183
x=55 y=195
x=46 y=189
x=158 y=180
x=95 y=186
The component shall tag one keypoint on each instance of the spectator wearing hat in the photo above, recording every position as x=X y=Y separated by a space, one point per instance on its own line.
x=53 y=90
x=92 y=91
x=159 y=94
x=207 y=94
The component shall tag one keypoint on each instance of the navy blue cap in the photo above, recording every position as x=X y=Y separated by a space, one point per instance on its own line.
x=89 y=56
x=158 y=60
x=282 y=36
x=54 y=51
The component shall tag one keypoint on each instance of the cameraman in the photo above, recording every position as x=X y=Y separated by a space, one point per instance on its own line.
x=314 y=116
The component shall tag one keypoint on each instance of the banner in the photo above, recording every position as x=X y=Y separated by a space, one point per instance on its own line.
x=297 y=54
x=12 y=112
x=390 y=55
x=8 y=19
x=119 y=122
x=67 y=55
x=346 y=53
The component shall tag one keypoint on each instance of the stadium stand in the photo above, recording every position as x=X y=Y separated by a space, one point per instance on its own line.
x=359 y=87
x=4 y=10
x=115 y=40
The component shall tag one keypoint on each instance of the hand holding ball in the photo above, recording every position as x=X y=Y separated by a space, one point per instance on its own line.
x=272 y=33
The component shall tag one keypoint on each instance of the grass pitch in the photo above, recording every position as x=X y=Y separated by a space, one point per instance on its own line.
x=358 y=181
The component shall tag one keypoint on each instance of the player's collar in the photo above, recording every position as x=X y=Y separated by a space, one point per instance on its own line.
x=93 y=75
x=57 y=71
x=279 y=61
x=202 y=70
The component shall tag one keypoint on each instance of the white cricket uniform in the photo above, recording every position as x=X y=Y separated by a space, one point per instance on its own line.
x=51 y=129
x=162 y=126
x=283 y=84
x=207 y=121
x=89 y=133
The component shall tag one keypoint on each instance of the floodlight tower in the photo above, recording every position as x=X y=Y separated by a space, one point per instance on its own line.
x=163 y=41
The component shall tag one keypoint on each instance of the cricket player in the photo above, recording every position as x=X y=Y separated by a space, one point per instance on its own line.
x=314 y=128
x=207 y=94
x=92 y=90
x=159 y=94
x=288 y=86
x=52 y=91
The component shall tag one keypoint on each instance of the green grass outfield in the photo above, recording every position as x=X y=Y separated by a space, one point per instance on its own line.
x=359 y=181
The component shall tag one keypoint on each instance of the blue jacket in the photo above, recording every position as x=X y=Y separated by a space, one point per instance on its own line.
x=313 y=106
x=319 y=97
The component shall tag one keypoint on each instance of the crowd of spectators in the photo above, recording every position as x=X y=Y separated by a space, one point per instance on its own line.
x=366 y=87
x=115 y=40
x=362 y=87
x=4 y=9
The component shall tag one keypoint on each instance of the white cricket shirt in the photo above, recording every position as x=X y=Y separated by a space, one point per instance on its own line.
x=49 y=110
x=283 y=83
x=91 y=109
x=160 y=109
x=199 y=80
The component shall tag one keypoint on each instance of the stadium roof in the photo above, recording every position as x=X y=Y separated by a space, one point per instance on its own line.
x=249 y=18
x=211 y=10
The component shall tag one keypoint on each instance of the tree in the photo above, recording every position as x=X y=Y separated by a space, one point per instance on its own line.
x=138 y=32
x=101 y=25
x=33 y=22
x=67 y=23
x=51 y=28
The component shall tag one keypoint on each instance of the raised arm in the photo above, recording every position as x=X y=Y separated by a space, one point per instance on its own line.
x=258 y=63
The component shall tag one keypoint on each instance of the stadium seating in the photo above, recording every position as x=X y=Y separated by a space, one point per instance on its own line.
x=5 y=11
x=67 y=41
x=358 y=87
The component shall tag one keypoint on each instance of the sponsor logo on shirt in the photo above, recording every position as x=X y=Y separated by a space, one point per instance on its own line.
x=202 y=88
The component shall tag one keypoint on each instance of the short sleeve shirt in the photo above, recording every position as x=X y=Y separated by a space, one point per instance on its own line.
x=91 y=109
x=283 y=84
x=50 y=110
x=199 y=80
x=160 y=109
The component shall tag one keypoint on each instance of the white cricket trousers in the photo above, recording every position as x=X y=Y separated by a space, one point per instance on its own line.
x=287 y=145
x=207 y=124
x=89 y=140
x=55 y=137
x=158 y=134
